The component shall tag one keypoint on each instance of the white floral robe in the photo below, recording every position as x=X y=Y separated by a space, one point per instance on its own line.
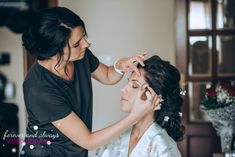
x=154 y=143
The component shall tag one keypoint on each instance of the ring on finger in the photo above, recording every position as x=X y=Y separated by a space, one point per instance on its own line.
x=132 y=60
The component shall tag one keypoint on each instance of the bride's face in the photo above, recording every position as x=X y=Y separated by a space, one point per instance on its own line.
x=130 y=90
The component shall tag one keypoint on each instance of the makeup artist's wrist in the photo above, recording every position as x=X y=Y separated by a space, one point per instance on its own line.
x=132 y=119
x=118 y=70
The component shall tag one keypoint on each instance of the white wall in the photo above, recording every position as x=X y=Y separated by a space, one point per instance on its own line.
x=118 y=28
x=11 y=42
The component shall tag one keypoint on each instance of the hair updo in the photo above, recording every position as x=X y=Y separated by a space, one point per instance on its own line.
x=164 y=79
x=49 y=32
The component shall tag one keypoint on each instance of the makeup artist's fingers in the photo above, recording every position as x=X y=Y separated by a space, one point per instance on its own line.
x=156 y=102
x=142 y=55
x=139 y=60
x=140 y=93
x=128 y=65
x=148 y=95
x=134 y=68
x=148 y=89
x=153 y=93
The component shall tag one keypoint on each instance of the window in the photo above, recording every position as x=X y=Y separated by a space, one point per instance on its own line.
x=210 y=48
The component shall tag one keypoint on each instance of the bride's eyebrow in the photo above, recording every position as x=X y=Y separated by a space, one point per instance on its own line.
x=136 y=82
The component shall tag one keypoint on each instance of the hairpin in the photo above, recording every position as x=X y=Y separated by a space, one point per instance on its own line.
x=180 y=114
x=182 y=92
x=161 y=100
x=166 y=118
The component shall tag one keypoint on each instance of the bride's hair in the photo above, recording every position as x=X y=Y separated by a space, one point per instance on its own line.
x=164 y=79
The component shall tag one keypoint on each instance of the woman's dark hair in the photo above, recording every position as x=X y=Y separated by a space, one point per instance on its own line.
x=164 y=79
x=49 y=32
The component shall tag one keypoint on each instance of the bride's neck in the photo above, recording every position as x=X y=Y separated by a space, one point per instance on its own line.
x=141 y=126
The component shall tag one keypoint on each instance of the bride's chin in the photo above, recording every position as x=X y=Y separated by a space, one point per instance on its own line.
x=124 y=108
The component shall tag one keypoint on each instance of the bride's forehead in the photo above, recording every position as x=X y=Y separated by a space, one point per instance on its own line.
x=135 y=76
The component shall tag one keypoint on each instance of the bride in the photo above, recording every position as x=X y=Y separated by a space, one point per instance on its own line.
x=156 y=133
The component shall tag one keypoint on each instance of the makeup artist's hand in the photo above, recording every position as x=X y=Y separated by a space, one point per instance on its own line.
x=128 y=65
x=143 y=106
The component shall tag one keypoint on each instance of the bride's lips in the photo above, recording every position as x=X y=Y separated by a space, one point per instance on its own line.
x=124 y=99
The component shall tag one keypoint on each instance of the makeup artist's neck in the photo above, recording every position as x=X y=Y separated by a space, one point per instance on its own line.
x=59 y=69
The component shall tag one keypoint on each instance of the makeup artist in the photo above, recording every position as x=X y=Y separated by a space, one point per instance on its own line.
x=58 y=89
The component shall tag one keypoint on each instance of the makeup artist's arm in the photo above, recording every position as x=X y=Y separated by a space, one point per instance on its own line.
x=74 y=128
x=107 y=74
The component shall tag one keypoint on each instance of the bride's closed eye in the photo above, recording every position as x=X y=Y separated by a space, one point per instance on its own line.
x=134 y=85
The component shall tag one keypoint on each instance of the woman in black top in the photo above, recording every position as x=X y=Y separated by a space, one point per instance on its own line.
x=58 y=89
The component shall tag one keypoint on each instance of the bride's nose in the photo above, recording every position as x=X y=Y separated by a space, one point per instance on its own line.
x=124 y=89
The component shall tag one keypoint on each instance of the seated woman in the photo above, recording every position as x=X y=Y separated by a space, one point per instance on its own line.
x=156 y=133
